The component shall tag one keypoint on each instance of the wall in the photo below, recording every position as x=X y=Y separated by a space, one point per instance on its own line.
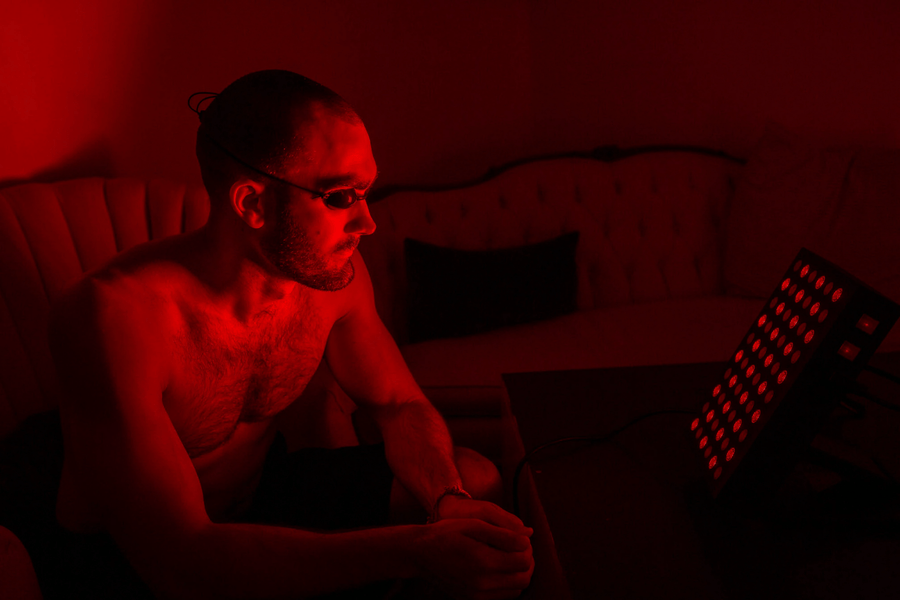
x=446 y=88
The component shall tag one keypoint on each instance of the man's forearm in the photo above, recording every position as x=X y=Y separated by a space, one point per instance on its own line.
x=419 y=450
x=236 y=560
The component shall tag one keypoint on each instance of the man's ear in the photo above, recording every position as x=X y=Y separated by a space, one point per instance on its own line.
x=246 y=200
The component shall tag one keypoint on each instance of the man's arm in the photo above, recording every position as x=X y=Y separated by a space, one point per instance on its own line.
x=124 y=451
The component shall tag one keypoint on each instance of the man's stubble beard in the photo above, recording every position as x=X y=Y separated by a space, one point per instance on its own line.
x=289 y=248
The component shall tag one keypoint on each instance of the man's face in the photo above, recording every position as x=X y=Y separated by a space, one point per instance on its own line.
x=308 y=241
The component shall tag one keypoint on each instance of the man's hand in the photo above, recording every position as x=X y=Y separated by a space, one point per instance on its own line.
x=475 y=560
x=458 y=507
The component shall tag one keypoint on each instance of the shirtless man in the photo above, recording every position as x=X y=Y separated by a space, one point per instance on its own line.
x=176 y=356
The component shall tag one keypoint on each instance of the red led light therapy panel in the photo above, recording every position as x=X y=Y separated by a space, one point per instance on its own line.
x=787 y=401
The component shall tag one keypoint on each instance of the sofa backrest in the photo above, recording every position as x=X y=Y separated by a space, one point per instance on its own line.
x=49 y=235
x=651 y=225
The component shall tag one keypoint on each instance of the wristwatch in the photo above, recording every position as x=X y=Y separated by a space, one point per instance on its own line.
x=450 y=490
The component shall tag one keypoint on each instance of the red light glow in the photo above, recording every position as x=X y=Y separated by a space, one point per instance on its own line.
x=761 y=321
x=756 y=345
x=785 y=284
x=794 y=321
x=814 y=309
x=732 y=381
x=782 y=376
x=730 y=454
x=780 y=309
x=737 y=425
x=762 y=387
x=726 y=407
x=774 y=334
x=799 y=296
x=710 y=415
x=804 y=271
x=755 y=416
x=788 y=348
x=837 y=294
x=809 y=335
x=744 y=397
x=703 y=442
x=750 y=370
x=720 y=433
x=769 y=360
x=738 y=356
x=820 y=282
x=717 y=390
x=695 y=424
x=712 y=461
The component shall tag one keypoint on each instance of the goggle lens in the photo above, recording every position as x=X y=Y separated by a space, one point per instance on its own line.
x=341 y=198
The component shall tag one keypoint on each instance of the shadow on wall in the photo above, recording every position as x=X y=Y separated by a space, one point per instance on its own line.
x=94 y=159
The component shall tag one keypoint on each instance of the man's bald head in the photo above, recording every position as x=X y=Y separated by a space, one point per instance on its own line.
x=261 y=119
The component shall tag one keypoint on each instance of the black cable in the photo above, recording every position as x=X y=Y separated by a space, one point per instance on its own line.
x=885 y=374
x=594 y=439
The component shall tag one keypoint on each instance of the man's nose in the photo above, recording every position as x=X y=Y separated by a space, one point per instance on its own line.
x=361 y=223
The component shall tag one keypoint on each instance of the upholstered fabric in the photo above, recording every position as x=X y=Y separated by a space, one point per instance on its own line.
x=841 y=203
x=49 y=235
x=650 y=225
x=679 y=330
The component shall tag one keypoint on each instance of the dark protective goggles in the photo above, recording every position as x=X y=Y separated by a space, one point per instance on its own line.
x=341 y=198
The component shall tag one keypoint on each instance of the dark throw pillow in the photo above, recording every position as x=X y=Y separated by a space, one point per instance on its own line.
x=462 y=292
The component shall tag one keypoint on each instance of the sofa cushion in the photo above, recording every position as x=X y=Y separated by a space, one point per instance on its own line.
x=665 y=332
x=794 y=193
x=453 y=292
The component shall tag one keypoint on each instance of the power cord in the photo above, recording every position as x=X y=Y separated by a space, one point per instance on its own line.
x=593 y=439
x=885 y=374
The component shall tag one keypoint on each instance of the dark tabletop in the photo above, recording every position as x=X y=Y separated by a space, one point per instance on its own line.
x=631 y=518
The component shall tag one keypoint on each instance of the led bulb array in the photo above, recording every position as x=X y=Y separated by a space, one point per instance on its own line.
x=761 y=375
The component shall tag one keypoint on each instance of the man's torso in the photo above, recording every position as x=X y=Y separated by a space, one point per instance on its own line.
x=228 y=379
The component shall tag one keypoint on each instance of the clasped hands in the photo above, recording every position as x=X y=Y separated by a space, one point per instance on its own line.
x=487 y=552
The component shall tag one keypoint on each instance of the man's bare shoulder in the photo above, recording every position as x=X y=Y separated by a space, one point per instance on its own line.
x=128 y=298
x=140 y=280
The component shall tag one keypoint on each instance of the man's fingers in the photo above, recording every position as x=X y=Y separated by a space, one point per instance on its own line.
x=499 y=517
x=499 y=537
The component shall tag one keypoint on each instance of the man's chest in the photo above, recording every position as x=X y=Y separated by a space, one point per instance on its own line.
x=226 y=373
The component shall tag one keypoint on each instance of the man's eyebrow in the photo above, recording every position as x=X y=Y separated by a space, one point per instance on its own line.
x=338 y=181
